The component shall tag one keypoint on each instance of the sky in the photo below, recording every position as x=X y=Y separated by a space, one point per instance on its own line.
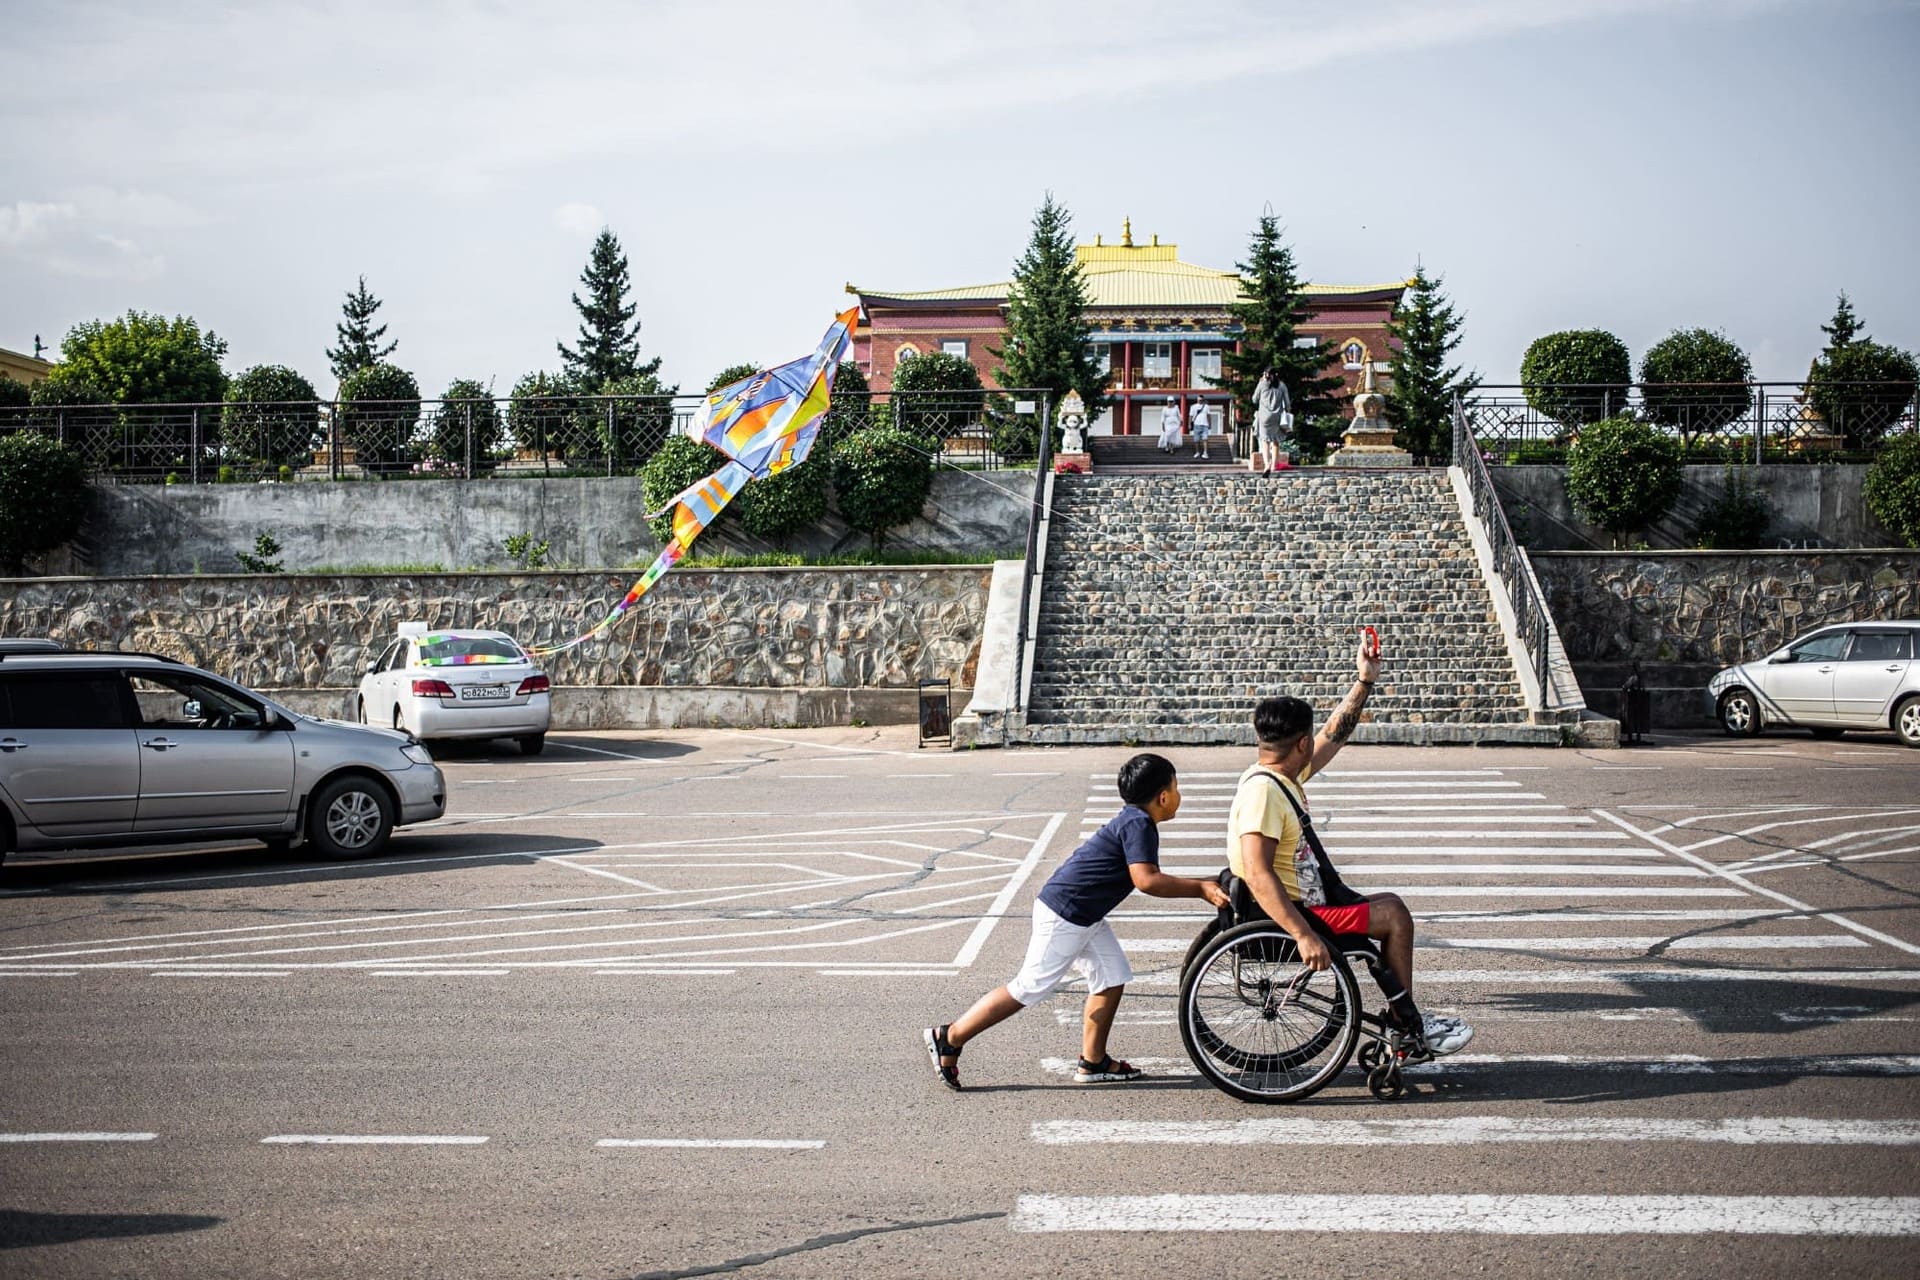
x=1633 y=165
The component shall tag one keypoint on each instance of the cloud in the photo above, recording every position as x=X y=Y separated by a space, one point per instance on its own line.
x=85 y=236
x=582 y=221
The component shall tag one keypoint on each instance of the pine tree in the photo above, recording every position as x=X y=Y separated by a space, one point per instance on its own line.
x=1424 y=331
x=1269 y=312
x=1047 y=328
x=359 y=341
x=1844 y=328
x=609 y=347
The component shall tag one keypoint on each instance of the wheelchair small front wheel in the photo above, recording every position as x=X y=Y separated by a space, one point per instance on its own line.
x=1385 y=1082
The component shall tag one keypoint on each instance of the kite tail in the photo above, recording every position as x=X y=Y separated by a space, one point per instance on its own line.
x=668 y=557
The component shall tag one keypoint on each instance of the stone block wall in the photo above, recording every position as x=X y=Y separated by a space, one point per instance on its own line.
x=775 y=642
x=1683 y=615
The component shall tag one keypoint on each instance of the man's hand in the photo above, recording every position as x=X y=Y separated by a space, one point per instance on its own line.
x=1212 y=892
x=1368 y=660
x=1314 y=952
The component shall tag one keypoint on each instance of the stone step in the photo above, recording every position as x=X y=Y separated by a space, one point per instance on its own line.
x=1147 y=734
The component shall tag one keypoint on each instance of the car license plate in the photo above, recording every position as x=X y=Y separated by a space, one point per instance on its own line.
x=484 y=693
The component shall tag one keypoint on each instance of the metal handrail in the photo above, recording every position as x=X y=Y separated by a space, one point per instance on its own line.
x=1043 y=466
x=1529 y=610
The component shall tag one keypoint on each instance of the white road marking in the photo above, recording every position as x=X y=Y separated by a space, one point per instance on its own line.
x=1317 y=1131
x=1830 y=917
x=970 y=949
x=1382 y=819
x=1549 y=891
x=1563 y=942
x=741 y=1144
x=1028 y=775
x=634 y=971
x=886 y=973
x=1525 y=1215
x=812 y=777
x=1629 y=977
x=220 y=973
x=1866 y=1064
x=78 y=1137
x=439 y=973
x=373 y=1140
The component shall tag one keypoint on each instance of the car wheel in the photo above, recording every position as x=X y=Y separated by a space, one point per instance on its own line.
x=1740 y=714
x=1826 y=733
x=1906 y=721
x=533 y=744
x=399 y=721
x=350 y=817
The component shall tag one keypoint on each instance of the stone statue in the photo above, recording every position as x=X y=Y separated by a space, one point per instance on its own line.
x=1368 y=441
x=1073 y=419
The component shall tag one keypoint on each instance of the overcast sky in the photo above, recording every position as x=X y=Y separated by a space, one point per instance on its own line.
x=1636 y=165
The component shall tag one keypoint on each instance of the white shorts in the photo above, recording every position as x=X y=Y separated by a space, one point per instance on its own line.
x=1058 y=947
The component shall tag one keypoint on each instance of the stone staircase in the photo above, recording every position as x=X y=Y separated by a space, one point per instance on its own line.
x=1142 y=453
x=1170 y=603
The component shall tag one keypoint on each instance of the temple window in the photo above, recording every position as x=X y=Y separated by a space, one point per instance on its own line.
x=954 y=347
x=1157 y=359
x=1102 y=354
x=1206 y=367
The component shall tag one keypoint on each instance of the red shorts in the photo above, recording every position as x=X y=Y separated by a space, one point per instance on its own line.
x=1354 y=919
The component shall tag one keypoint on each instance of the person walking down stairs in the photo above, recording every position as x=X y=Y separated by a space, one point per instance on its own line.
x=1202 y=429
x=1272 y=415
x=1169 y=427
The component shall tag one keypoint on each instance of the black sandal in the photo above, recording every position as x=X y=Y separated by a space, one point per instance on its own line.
x=938 y=1047
x=1109 y=1070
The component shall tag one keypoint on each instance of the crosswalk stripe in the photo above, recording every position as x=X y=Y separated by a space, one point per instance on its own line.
x=1682 y=1064
x=1517 y=869
x=1563 y=942
x=1325 y=1131
x=1525 y=1215
x=1579 y=977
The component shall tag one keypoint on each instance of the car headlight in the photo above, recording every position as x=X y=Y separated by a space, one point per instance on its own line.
x=417 y=753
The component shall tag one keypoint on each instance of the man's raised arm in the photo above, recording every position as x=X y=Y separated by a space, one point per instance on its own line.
x=1346 y=717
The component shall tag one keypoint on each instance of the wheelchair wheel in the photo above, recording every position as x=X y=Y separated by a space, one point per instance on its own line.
x=1261 y=1026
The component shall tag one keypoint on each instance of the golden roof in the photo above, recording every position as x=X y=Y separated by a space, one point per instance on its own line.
x=1130 y=275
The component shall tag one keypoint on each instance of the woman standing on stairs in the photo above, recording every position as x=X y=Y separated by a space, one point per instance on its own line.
x=1272 y=415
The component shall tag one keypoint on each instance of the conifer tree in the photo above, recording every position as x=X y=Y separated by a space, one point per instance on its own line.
x=1269 y=312
x=609 y=347
x=1047 y=328
x=1843 y=328
x=1423 y=332
x=359 y=341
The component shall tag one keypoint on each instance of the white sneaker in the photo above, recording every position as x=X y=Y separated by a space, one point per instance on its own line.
x=1445 y=1035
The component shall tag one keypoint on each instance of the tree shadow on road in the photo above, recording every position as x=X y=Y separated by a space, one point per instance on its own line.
x=23 y=1228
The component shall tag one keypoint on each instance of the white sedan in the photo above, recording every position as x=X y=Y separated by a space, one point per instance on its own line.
x=458 y=684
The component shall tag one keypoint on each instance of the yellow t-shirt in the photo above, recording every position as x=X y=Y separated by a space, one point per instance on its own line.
x=1259 y=806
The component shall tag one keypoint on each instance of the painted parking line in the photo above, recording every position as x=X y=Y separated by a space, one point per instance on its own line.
x=1320 y=1131
x=1520 y=1215
x=374 y=1140
x=83 y=1136
x=723 y=1144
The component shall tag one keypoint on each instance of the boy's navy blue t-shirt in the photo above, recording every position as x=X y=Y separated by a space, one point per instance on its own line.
x=1095 y=879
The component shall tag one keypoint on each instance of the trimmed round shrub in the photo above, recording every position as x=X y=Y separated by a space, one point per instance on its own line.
x=1862 y=389
x=628 y=430
x=1695 y=356
x=465 y=403
x=1623 y=475
x=935 y=396
x=731 y=374
x=780 y=506
x=43 y=497
x=379 y=416
x=1893 y=488
x=271 y=417
x=851 y=406
x=881 y=478
x=540 y=412
x=1592 y=359
x=676 y=464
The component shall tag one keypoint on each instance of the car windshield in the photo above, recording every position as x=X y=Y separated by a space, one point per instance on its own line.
x=459 y=651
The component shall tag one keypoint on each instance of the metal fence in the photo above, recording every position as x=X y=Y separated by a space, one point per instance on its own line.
x=251 y=441
x=1713 y=421
x=1529 y=610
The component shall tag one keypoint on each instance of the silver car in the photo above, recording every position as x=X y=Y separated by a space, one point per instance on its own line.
x=1858 y=675
x=119 y=748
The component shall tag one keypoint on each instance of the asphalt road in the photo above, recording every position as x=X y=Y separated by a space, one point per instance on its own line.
x=650 y=1005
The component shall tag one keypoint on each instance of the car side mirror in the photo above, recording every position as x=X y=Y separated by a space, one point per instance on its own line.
x=1782 y=657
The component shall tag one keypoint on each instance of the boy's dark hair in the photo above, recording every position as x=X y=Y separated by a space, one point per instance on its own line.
x=1281 y=721
x=1144 y=777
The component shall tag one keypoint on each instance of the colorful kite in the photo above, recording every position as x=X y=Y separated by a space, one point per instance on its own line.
x=764 y=424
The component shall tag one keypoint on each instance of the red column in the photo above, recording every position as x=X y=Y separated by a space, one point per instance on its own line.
x=1126 y=380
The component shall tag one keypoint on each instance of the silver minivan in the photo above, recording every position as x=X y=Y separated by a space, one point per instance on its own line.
x=120 y=749
x=1857 y=675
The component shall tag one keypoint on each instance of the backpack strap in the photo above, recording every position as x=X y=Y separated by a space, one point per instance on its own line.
x=1338 y=894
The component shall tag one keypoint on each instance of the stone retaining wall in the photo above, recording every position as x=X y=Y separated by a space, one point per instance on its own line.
x=727 y=646
x=1683 y=615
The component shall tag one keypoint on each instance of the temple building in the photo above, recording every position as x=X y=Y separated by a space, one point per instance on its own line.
x=1160 y=326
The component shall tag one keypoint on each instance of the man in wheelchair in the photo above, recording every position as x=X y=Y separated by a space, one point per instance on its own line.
x=1282 y=868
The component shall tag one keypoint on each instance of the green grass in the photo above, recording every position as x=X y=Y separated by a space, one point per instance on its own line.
x=350 y=570
x=905 y=556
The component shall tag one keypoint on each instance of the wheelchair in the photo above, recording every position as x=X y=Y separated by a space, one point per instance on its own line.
x=1263 y=1027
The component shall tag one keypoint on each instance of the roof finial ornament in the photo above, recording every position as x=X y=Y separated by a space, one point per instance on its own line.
x=1126 y=232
